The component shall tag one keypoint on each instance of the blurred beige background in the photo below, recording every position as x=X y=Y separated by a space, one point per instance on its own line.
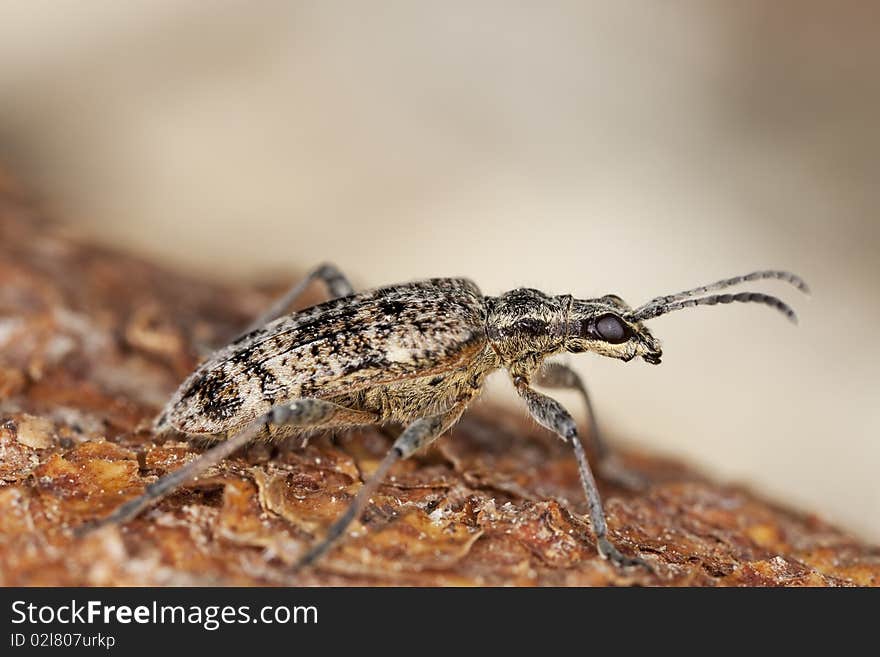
x=584 y=147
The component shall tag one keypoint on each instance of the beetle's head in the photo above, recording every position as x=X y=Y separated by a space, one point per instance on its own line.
x=609 y=327
x=606 y=326
x=526 y=322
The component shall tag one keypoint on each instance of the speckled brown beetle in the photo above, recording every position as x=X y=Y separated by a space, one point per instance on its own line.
x=414 y=354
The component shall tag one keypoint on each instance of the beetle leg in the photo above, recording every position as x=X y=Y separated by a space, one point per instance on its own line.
x=557 y=375
x=336 y=282
x=550 y=414
x=305 y=413
x=416 y=435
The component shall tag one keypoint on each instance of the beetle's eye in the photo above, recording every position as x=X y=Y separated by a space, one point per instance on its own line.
x=611 y=329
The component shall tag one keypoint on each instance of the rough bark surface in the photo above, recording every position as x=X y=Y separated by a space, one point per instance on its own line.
x=91 y=344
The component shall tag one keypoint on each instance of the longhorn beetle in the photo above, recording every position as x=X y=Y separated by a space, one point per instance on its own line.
x=414 y=354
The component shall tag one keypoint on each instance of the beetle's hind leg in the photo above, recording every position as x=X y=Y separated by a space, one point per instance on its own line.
x=337 y=285
x=305 y=414
x=557 y=375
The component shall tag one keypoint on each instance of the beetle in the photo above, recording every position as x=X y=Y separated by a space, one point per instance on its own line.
x=416 y=355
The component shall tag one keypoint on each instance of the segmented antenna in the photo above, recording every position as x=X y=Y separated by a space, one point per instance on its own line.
x=741 y=297
x=672 y=302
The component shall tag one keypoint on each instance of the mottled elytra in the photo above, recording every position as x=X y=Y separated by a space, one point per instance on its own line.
x=415 y=355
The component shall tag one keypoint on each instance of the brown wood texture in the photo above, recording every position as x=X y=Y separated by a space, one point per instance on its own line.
x=93 y=341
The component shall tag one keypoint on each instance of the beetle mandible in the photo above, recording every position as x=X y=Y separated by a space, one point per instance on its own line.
x=414 y=354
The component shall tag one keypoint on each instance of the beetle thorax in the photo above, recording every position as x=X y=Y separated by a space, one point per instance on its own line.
x=526 y=322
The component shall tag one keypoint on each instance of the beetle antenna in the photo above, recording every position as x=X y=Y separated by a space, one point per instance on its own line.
x=649 y=309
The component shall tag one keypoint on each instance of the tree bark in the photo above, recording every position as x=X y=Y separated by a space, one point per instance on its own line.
x=93 y=341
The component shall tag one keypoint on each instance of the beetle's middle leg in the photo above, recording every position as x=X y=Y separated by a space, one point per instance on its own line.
x=303 y=413
x=416 y=435
x=557 y=375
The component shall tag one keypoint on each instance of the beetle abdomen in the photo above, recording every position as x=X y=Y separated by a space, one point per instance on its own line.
x=337 y=347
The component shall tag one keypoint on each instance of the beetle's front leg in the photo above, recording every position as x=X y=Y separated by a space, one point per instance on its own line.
x=557 y=375
x=550 y=414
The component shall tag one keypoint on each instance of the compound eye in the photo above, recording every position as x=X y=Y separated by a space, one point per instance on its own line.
x=612 y=329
